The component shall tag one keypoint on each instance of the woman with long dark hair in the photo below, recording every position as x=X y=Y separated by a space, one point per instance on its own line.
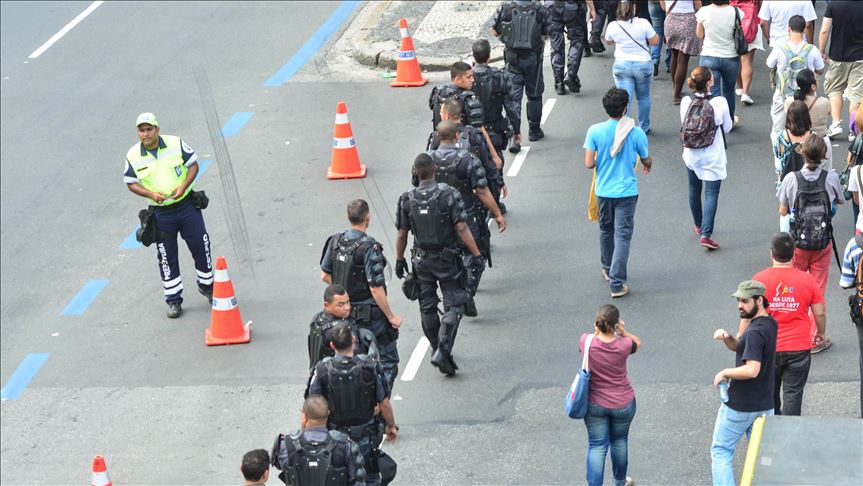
x=819 y=106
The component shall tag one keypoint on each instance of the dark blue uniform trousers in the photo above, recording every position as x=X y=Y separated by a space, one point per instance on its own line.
x=188 y=221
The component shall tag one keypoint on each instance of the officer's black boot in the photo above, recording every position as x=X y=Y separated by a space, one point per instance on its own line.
x=441 y=361
x=206 y=291
x=470 y=308
x=559 y=88
x=587 y=51
x=515 y=148
x=535 y=134
x=572 y=82
x=174 y=310
x=596 y=44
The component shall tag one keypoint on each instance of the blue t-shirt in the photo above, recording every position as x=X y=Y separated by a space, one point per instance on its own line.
x=615 y=177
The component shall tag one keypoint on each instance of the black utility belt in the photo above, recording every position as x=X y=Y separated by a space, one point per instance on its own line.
x=449 y=254
x=198 y=198
x=356 y=432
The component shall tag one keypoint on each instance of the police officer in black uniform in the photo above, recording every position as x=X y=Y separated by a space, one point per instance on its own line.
x=356 y=261
x=353 y=386
x=460 y=89
x=435 y=214
x=315 y=456
x=567 y=17
x=337 y=309
x=464 y=173
x=494 y=90
x=522 y=27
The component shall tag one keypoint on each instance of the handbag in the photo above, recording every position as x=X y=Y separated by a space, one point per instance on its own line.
x=844 y=179
x=740 y=44
x=575 y=402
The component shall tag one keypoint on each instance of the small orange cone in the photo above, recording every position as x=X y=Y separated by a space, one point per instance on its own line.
x=346 y=160
x=226 y=325
x=408 y=68
x=100 y=473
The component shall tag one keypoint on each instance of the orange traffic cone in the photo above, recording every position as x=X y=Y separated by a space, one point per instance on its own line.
x=100 y=473
x=226 y=325
x=408 y=68
x=346 y=159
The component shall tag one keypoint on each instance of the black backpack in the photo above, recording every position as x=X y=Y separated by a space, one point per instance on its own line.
x=304 y=462
x=811 y=227
x=790 y=158
x=489 y=86
x=523 y=31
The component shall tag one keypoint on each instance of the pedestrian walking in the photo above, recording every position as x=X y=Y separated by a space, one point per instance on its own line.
x=632 y=68
x=315 y=456
x=792 y=294
x=751 y=32
x=750 y=382
x=355 y=261
x=715 y=24
x=680 y=36
x=436 y=216
x=162 y=169
x=774 y=16
x=852 y=278
x=841 y=26
x=788 y=59
x=818 y=106
x=610 y=397
x=707 y=120
x=810 y=196
x=855 y=181
x=523 y=27
x=567 y=19
x=256 y=468
x=355 y=389
x=657 y=20
x=613 y=149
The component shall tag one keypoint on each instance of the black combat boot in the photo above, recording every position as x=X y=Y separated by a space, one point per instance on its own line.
x=596 y=44
x=573 y=83
x=535 y=134
x=587 y=50
x=559 y=88
x=442 y=362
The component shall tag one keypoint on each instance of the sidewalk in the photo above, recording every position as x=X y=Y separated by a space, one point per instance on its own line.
x=442 y=31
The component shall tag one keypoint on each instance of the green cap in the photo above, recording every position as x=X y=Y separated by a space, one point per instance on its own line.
x=749 y=289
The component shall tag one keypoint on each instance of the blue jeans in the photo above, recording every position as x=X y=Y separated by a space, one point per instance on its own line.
x=657 y=19
x=608 y=426
x=616 y=223
x=703 y=219
x=725 y=71
x=730 y=427
x=636 y=77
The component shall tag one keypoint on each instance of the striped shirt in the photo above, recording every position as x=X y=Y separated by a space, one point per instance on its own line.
x=849 y=264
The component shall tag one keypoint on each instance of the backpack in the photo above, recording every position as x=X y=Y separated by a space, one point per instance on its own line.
x=304 y=462
x=794 y=64
x=489 y=86
x=471 y=114
x=811 y=226
x=522 y=31
x=699 y=125
x=790 y=158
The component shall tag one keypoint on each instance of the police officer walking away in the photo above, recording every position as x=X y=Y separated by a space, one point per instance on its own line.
x=522 y=27
x=435 y=214
x=353 y=386
x=162 y=169
x=356 y=261
x=463 y=172
x=315 y=456
x=569 y=17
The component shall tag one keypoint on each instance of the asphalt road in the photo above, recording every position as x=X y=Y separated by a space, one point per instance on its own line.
x=125 y=382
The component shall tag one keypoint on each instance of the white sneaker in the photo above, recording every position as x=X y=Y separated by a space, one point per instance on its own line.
x=738 y=91
x=835 y=129
x=746 y=99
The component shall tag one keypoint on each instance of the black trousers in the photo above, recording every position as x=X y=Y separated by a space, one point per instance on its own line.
x=792 y=371
x=525 y=74
x=569 y=19
x=447 y=274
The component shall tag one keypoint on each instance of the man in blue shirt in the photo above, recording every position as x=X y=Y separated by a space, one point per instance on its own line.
x=613 y=149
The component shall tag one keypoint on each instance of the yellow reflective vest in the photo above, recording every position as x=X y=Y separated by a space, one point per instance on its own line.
x=162 y=174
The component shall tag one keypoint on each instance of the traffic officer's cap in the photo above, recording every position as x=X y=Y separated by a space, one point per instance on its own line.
x=147 y=118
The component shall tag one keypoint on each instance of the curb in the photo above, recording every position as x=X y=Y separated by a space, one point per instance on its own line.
x=385 y=54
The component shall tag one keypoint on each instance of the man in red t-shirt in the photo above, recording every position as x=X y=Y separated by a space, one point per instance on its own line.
x=792 y=295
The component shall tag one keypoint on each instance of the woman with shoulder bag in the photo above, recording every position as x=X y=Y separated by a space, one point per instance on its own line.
x=680 y=37
x=819 y=106
x=633 y=65
x=716 y=25
x=611 y=399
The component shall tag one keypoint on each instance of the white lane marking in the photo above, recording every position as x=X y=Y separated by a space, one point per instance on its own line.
x=546 y=109
x=66 y=28
x=516 y=164
x=416 y=359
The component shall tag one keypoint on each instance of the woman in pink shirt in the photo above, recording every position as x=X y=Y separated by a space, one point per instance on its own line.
x=611 y=399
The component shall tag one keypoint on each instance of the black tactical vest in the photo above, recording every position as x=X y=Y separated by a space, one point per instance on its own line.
x=430 y=220
x=489 y=86
x=453 y=170
x=319 y=344
x=349 y=265
x=312 y=463
x=350 y=391
x=522 y=32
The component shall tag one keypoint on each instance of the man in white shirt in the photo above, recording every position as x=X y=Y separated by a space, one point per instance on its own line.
x=774 y=17
x=787 y=58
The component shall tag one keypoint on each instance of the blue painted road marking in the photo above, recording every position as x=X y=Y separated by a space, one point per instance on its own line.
x=130 y=243
x=233 y=126
x=318 y=39
x=84 y=297
x=22 y=375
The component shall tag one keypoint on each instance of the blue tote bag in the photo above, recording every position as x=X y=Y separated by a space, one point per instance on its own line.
x=575 y=402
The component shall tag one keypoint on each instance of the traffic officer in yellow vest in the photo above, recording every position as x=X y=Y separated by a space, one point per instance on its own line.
x=162 y=169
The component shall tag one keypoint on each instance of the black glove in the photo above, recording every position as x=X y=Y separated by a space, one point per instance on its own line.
x=401 y=268
x=477 y=263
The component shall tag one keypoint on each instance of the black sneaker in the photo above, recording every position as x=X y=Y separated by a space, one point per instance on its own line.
x=559 y=88
x=470 y=308
x=174 y=310
x=207 y=292
x=515 y=148
x=535 y=134
x=442 y=363
x=573 y=83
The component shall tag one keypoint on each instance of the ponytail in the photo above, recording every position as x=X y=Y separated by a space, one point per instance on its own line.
x=805 y=81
